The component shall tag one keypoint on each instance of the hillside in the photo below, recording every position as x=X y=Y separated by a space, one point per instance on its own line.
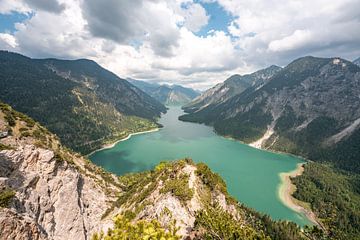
x=232 y=86
x=83 y=103
x=310 y=108
x=167 y=94
x=41 y=180
x=357 y=61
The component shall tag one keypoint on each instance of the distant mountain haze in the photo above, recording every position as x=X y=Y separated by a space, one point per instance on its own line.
x=83 y=103
x=167 y=94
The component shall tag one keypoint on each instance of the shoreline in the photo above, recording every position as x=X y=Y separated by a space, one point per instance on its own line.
x=111 y=145
x=287 y=188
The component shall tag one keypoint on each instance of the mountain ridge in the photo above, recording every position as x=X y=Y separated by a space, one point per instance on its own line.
x=310 y=92
x=357 y=61
x=80 y=101
x=230 y=87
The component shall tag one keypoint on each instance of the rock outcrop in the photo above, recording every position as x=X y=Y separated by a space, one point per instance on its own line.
x=58 y=194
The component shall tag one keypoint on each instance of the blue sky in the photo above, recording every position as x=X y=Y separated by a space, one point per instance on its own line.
x=219 y=19
x=7 y=21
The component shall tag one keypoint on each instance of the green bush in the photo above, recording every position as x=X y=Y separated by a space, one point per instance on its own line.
x=25 y=134
x=5 y=147
x=147 y=230
x=5 y=197
x=215 y=223
x=179 y=187
x=212 y=180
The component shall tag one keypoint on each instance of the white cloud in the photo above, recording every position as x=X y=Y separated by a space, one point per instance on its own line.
x=47 y=5
x=8 y=6
x=156 y=40
x=195 y=16
x=7 y=41
x=279 y=31
x=299 y=38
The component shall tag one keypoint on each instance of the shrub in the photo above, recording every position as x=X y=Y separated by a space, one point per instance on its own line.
x=215 y=223
x=5 y=197
x=212 y=180
x=179 y=187
x=125 y=229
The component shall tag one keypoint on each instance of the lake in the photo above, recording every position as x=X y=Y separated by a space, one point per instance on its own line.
x=251 y=175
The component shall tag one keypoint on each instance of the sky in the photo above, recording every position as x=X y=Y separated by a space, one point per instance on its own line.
x=195 y=43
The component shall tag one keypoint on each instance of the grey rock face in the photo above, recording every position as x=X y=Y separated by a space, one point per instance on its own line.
x=53 y=199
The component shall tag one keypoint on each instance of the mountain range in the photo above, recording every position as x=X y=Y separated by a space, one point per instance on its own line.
x=83 y=103
x=309 y=108
x=234 y=85
x=167 y=94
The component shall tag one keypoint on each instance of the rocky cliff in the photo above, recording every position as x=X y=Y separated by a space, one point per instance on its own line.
x=57 y=194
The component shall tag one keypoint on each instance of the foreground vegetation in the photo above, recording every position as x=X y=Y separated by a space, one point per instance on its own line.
x=146 y=230
x=212 y=221
x=5 y=197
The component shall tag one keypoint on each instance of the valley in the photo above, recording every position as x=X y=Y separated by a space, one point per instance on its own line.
x=251 y=175
x=179 y=120
x=184 y=171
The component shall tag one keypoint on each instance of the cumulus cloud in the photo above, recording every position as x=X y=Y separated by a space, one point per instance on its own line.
x=9 y=6
x=298 y=39
x=283 y=30
x=157 y=41
x=123 y=21
x=7 y=41
x=194 y=53
x=194 y=15
x=46 y=5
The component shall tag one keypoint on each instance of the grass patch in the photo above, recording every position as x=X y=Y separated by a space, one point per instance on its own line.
x=6 y=196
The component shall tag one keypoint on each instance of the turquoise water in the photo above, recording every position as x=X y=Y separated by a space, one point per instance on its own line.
x=251 y=175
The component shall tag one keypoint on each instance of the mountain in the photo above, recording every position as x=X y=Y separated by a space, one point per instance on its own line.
x=357 y=61
x=310 y=108
x=166 y=94
x=48 y=192
x=229 y=88
x=83 y=103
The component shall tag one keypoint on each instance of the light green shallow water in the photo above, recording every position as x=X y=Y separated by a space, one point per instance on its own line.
x=251 y=175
